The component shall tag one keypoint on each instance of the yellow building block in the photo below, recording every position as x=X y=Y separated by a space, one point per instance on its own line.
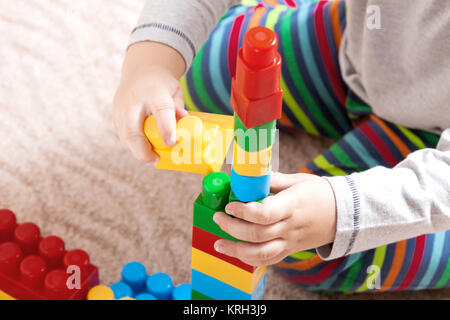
x=100 y=293
x=251 y=164
x=226 y=272
x=203 y=140
x=127 y=298
x=5 y=296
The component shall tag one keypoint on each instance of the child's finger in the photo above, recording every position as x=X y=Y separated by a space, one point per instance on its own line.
x=272 y=209
x=162 y=107
x=131 y=135
x=180 y=113
x=141 y=148
x=247 y=231
x=256 y=254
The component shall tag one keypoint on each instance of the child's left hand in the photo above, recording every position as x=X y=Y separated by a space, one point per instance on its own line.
x=301 y=215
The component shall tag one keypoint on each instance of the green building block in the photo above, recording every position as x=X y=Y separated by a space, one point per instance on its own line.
x=232 y=197
x=195 y=295
x=218 y=193
x=215 y=190
x=254 y=139
x=203 y=219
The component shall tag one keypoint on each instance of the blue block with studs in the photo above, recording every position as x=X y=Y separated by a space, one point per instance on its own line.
x=138 y=284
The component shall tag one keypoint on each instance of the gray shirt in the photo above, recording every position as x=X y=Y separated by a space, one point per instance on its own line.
x=396 y=56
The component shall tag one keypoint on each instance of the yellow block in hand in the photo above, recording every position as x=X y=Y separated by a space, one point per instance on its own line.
x=202 y=143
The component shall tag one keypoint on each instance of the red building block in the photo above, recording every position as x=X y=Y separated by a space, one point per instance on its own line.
x=256 y=96
x=204 y=241
x=36 y=268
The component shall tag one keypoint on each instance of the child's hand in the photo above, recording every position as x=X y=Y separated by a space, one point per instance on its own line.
x=301 y=215
x=149 y=85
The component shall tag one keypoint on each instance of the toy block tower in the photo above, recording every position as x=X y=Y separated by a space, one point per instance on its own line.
x=256 y=98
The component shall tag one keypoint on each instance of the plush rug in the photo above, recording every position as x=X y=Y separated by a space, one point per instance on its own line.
x=62 y=166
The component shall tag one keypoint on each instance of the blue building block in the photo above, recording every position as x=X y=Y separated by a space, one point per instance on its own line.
x=182 y=292
x=258 y=293
x=145 y=296
x=121 y=290
x=160 y=285
x=219 y=290
x=137 y=284
x=248 y=189
x=134 y=274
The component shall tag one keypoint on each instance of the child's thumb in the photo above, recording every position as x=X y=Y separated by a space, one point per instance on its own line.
x=280 y=181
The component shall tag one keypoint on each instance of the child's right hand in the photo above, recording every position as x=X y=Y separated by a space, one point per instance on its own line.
x=149 y=85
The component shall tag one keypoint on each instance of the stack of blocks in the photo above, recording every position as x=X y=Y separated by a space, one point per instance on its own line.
x=256 y=98
x=136 y=284
x=33 y=267
x=216 y=276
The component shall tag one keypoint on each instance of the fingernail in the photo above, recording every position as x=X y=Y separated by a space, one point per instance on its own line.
x=218 y=247
x=171 y=141
x=215 y=218
x=229 y=209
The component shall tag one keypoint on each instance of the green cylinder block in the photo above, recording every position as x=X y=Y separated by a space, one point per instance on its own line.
x=216 y=190
x=254 y=139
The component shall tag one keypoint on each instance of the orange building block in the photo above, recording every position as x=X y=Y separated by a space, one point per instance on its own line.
x=203 y=140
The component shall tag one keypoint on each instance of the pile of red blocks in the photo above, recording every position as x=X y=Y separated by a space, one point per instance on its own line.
x=33 y=267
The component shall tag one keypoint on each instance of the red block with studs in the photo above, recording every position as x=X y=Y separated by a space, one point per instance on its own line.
x=256 y=96
x=33 y=267
x=204 y=241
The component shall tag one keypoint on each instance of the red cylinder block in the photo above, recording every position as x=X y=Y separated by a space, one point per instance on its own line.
x=27 y=235
x=51 y=248
x=256 y=96
x=7 y=224
x=260 y=49
x=55 y=285
x=260 y=83
x=10 y=257
x=32 y=271
x=78 y=258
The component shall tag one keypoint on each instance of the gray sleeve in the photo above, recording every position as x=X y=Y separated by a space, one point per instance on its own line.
x=400 y=66
x=181 y=24
x=382 y=205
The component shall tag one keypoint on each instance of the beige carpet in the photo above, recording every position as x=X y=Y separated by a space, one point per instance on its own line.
x=61 y=164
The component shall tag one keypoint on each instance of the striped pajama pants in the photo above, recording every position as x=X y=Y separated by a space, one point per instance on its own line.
x=317 y=100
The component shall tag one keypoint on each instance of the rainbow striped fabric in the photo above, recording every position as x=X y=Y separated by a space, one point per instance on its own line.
x=317 y=100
